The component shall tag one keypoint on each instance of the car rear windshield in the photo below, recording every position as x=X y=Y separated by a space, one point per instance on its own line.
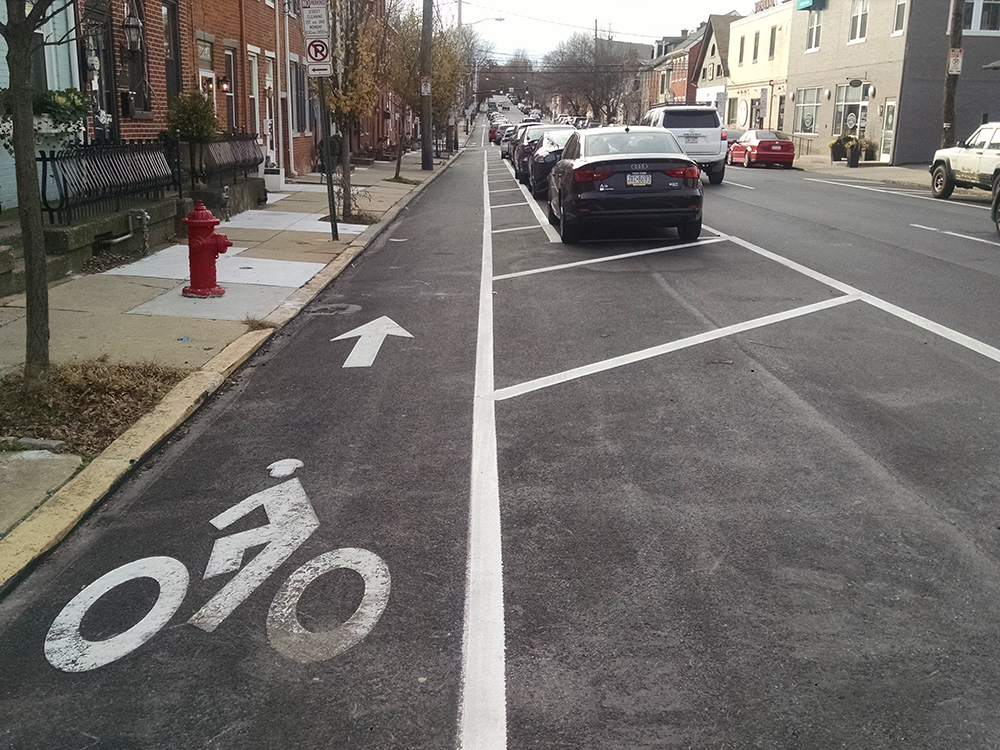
x=559 y=137
x=691 y=118
x=771 y=135
x=536 y=132
x=641 y=142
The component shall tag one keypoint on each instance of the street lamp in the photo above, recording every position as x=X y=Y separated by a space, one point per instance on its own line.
x=132 y=26
x=483 y=19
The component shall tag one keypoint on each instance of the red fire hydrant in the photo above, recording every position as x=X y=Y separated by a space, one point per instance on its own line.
x=204 y=246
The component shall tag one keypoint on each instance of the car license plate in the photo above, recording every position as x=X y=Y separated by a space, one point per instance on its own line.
x=690 y=139
x=776 y=148
x=639 y=179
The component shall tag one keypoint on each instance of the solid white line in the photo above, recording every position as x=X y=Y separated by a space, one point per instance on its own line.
x=543 y=222
x=514 y=229
x=974 y=239
x=656 y=351
x=504 y=190
x=921 y=226
x=901 y=195
x=606 y=259
x=943 y=331
x=730 y=182
x=482 y=713
x=508 y=205
x=804 y=270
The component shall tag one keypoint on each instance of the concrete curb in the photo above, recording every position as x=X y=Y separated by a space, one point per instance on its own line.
x=52 y=521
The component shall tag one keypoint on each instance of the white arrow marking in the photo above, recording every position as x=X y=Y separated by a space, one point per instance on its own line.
x=370 y=337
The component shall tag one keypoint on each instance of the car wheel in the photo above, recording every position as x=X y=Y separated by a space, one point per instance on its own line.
x=729 y=157
x=553 y=219
x=746 y=159
x=715 y=177
x=569 y=232
x=690 y=230
x=942 y=185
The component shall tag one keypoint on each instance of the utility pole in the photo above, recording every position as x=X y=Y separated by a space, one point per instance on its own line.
x=951 y=78
x=426 y=128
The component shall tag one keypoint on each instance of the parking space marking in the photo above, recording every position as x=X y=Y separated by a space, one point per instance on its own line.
x=514 y=229
x=606 y=258
x=543 y=222
x=655 y=351
x=505 y=190
x=482 y=718
x=890 y=192
x=921 y=226
x=509 y=205
x=944 y=332
x=736 y=184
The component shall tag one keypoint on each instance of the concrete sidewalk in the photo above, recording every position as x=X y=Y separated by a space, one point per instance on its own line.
x=283 y=255
x=908 y=174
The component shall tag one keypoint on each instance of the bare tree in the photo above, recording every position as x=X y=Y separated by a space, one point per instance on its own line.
x=589 y=72
x=20 y=31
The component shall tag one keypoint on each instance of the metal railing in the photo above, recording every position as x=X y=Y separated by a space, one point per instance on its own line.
x=100 y=178
x=226 y=158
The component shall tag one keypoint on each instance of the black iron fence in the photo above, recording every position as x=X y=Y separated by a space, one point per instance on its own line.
x=218 y=161
x=100 y=178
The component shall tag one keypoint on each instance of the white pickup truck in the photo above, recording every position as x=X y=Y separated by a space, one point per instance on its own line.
x=972 y=163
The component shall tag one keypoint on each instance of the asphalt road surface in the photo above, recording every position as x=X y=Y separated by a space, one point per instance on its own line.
x=634 y=493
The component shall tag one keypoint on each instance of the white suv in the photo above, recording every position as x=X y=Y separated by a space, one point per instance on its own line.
x=972 y=163
x=699 y=130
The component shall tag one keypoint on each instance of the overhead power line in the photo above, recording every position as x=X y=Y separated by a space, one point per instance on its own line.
x=555 y=23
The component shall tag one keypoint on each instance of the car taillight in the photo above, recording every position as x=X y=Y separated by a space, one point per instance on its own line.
x=590 y=175
x=690 y=172
x=725 y=135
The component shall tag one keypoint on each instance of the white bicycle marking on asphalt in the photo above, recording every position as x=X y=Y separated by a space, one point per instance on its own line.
x=291 y=520
x=293 y=641
x=68 y=650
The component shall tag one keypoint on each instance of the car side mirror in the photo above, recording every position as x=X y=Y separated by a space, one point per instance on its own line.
x=960 y=143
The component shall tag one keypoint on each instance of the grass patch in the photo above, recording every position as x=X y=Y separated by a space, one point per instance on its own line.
x=86 y=404
x=402 y=180
x=256 y=324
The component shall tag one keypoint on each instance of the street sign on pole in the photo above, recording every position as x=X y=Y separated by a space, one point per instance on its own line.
x=318 y=50
x=320 y=70
x=954 y=62
x=425 y=86
x=316 y=22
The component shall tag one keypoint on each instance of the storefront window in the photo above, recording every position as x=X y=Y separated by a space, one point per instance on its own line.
x=850 y=114
x=806 y=110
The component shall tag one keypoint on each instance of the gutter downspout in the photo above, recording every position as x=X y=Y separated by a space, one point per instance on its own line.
x=277 y=85
x=288 y=101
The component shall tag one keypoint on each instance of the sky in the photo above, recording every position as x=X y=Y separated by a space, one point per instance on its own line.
x=539 y=26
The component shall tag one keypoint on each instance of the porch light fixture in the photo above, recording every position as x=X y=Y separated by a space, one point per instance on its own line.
x=132 y=26
x=224 y=83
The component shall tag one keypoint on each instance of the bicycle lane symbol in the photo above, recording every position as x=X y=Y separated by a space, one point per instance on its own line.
x=291 y=521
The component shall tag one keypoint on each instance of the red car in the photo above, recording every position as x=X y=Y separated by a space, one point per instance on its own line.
x=762 y=147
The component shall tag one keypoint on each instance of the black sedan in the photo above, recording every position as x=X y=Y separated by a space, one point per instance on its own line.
x=634 y=175
x=545 y=156
x=522 y=150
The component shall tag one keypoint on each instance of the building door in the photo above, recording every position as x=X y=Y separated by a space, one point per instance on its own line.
x=888 y=128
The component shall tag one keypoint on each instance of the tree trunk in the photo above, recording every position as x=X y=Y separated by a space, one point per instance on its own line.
x=399 y=153
x=345 y=184
x=20 y=39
